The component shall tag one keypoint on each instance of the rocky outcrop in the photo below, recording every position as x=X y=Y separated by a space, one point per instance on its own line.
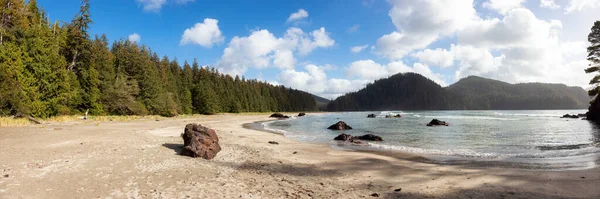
x=371 y=116
x=301 y=114
x=570 y=116
x=369 y=137
x=343 y=137
x=354 y=139
x=593 y=113
x=341 y=125
x=279 y=115
x=200 y=141
x=436 y=122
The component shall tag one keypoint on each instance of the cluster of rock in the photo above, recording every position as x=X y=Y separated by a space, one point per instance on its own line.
x=200 y=141
x=354 y=139
x=282 y=116
x=371 y=116
x=573 y=116
x=436 y=122
x=279 y=116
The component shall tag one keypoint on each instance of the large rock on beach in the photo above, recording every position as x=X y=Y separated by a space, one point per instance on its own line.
x=436 y=122
x=200 y=141
x=341 y=125
x=301 y=114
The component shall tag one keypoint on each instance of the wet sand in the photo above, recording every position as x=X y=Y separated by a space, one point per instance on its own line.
x=138 y=159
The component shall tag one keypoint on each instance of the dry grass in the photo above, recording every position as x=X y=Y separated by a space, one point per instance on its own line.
x=7 y=122
x=10 y=122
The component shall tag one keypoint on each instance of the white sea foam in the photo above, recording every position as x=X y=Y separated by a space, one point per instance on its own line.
x=474 y=154
x=471 y=117
x=527 y=115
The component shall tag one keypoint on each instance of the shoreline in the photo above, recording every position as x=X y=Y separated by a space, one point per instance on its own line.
x=533 y=164
x=138 y=159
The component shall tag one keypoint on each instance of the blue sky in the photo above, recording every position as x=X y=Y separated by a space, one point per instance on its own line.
x=307 y=44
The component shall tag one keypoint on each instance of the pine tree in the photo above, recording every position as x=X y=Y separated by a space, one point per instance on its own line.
x=13 y=84
x=594 y=58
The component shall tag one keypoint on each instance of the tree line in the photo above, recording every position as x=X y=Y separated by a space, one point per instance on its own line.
x=52 y=68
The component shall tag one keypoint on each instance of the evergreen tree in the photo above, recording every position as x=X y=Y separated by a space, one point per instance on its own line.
x=594 y=58
x=47 y=69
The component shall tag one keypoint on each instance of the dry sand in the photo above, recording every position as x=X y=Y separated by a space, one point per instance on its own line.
x=138 y=159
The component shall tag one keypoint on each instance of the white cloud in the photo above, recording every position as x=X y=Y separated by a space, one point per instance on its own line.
x=550 y=4
x=369 y=70
x=421 y=22
x=301 y=14
x=438 y=57
x=134 y=38
x=152 y=5
x=580 y=5
x=320 y=39
x=205 y=34
x=314 y=80
x=503 y=6
x=439 y=17
x=474 y=61
x=396 y=45
x=262 y=49
x=354 y=28
x=519 y=27
x=357 y=49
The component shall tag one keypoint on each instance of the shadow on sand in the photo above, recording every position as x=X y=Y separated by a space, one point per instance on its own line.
x=175 y=147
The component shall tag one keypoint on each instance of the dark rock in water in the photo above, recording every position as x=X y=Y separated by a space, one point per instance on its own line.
x=343 y=137
x=340 y=126
x=200 y=141
x=398 y=190
x=375 y=194
x=354 y=139
x=436 y=122
x=570 y=116
x=581 y=115
x=301 y=114
x=369 y=137
x=273 y=142
x=279 y=115
x=371 y=116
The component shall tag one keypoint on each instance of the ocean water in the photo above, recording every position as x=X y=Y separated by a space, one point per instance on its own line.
x=537 y=139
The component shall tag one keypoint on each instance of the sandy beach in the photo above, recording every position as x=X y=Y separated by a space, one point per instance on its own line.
x=138 y=159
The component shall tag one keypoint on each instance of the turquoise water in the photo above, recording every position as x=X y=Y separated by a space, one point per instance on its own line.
x=537 y=139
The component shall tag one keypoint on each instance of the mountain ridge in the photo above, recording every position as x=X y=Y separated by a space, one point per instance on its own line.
x=411 y=91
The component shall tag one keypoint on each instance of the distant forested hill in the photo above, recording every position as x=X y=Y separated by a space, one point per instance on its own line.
x=410 y=91
x=321 y=102
x=51 y=68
